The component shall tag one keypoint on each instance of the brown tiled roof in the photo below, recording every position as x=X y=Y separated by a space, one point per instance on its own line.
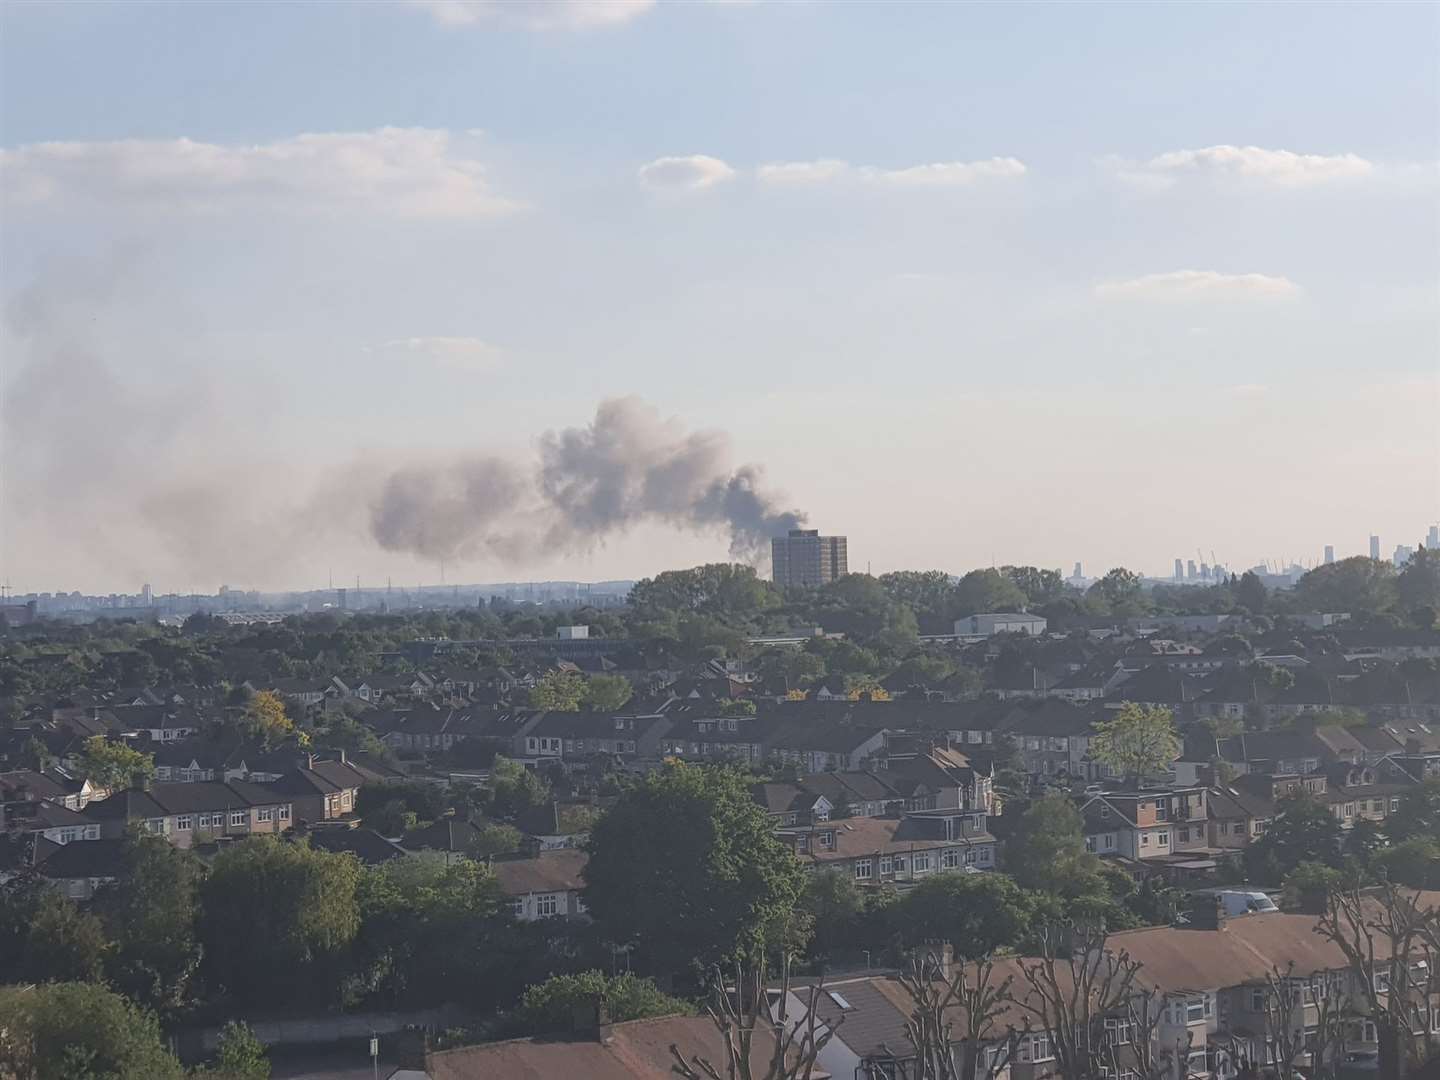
x=550 y=871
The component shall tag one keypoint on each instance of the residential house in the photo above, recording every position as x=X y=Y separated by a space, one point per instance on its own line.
x=558 y=823
x=1165 y=828
x=194 y=813
x=81 y=870
x=1003 y=622
x=572 y=738
x=543 y=886
x=894 y=850
x=367 y=845
x=321 y=791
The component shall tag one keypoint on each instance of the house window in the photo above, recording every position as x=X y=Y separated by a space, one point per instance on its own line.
x=863 y=869
x=547 y=904
x=950 y=860
x=1382 y=981
x=237 y=818
x=266 y=813
x=1257 y=1000
x=517 y=907
x=1394 y=805
x=345 y=799
x=204 y=822
x=1184 y=836
x=984 y=854
x=1161 y=810
x=899 y=864
x=1144 y=839
x=1119 y=1032
x=827 y=841
x=1090 y=844
x=804 y=844
x=155 y=825
x=185 y=822
x=970 y=855
x=921 y=862
x=1196 y=1010
x=887 y=865
x=1109 y=841
x=1040 y=1048
x=1163 y=839
x=284 y=813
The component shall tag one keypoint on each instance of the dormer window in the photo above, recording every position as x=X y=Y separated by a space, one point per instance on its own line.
x=827 y=840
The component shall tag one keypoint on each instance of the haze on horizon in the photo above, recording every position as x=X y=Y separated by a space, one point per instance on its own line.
x=971 y=284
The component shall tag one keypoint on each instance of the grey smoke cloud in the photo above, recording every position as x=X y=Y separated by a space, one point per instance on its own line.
x=627 y=467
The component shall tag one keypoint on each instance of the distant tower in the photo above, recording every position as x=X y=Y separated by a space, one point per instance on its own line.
x=341 y=599
x=1077 y=573
x=1432 y=538
x=147 y=594
x=1179 y=570
x=1329 y=554
x=1191 y=567
x=1375 y=548
x=804 y=557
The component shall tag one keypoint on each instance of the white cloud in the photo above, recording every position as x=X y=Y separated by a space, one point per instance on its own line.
x=1283 y=168
x=536 y=14
x=391 y=172
x=947 y=173
x=940 y=174
x=1186 y=285
x=465 y=353
x=799 y=173
x=692 y=172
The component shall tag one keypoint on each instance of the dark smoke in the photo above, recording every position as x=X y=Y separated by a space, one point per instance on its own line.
x=629 y=466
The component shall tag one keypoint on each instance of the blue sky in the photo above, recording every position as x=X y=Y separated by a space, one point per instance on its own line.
x=1036 y=283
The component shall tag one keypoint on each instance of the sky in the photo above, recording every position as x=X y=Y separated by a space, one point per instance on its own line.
x=301 y=290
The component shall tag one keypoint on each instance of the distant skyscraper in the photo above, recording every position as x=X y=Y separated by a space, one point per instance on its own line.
x=1402 y=554
x=1191 y=567
x=1179 y=570
x=1329 y=553
x=1432 y=538
x=147 y=594
x=1375 y=547
x=807 y=558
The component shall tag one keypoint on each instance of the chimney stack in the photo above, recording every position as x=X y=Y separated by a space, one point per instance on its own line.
x=591 y=1018
x=1208 y=913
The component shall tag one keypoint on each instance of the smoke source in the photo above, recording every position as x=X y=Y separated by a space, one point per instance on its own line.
x=627 y=467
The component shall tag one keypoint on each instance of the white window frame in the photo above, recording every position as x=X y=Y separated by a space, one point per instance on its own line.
x=547 y=904
x=184 y=823
x=864 y=869
x=238 y=818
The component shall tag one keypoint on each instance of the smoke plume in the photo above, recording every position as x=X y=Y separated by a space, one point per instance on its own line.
x=627 y=467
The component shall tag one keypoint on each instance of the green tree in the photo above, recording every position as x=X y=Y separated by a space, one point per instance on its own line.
x=1414 y=862
x=689 y=866
x=265 y=718
x=1047 y=850
x=982 y=591
x=730 y=590
x=427 y=929
x=276 y=920
x=44 y=936
x=1418 y=583
x=1359 y=585
x=926 y=592
x=1418 y=815
x=558 y=691
x=1136 y=741
x=834 y=903
x=114 y=765
x=79 y=1031
x=551 y=1005
x=515 y=788
x=607 y=693
x=977 y=913
x=150 y=915
x=1309 y=884
x=1121 y=592
x=1250 y=593
x=1304 y=830
x=239 y=1055
x=1039 y=586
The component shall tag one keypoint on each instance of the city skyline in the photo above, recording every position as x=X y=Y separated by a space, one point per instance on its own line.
x=344 y=286
x=1279 y=565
